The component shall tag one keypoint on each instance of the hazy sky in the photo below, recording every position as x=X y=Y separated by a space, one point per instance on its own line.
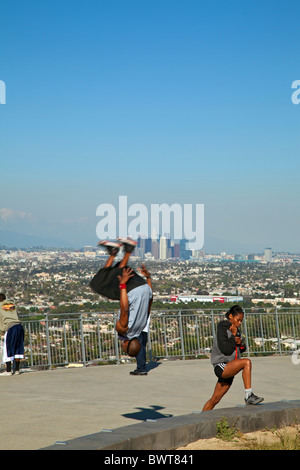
x=164 y=101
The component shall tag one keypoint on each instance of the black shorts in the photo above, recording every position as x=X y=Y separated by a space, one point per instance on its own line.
x=219 y=368
x=106 y=282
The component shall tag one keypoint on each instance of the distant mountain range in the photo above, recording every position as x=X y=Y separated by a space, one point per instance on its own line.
x=11 y=239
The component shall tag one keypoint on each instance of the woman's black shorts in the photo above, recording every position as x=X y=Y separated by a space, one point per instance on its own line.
x=219 y=368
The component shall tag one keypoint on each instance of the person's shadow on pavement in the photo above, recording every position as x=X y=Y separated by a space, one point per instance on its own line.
x=145 y=414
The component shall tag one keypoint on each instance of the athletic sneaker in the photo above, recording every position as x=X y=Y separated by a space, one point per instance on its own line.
x=128 y=244
x=253 y=400
x=111 y=247
x=138 y=372
x=4 y=374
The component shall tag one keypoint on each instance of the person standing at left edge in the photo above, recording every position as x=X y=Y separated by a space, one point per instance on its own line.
x=11 y=327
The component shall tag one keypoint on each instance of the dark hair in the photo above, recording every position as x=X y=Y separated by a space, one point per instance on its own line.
x=2 y=297
x=133 y=347
x=234 y=310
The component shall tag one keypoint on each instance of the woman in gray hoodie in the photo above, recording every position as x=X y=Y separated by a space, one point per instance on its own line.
x=226 y=359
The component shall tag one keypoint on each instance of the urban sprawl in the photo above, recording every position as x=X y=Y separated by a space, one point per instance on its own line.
x=57 y=280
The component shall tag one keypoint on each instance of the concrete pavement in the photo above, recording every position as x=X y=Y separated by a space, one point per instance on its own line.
x=39 y=409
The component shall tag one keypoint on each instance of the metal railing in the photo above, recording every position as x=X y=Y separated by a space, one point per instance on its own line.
x=85 y=338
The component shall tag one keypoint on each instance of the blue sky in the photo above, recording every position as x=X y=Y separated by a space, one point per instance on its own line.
x=162 y=101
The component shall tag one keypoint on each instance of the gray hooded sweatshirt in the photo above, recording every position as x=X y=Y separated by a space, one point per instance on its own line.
x=224 y=347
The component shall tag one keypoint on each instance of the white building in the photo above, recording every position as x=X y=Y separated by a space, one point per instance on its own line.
x=268 y=255
x=163 y=248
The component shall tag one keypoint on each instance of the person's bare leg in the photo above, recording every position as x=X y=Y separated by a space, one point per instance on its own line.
x=234 y=367
x=110 y=261
x=128 y=246
x=125 y=259
x=220 y=389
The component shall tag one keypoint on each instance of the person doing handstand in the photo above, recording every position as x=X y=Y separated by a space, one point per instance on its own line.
x=226 y=359
x=120 y=282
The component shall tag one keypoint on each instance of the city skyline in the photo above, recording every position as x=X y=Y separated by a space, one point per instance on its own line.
x=165 y=248
x=167 y=102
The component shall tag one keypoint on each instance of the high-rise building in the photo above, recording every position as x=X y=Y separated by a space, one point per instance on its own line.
x=176 y=251
x=155 y=249
x=148 y=243
x=268 y=255
x=154 y=234
x=184 y=253
x=163 y=248
x=141 y=243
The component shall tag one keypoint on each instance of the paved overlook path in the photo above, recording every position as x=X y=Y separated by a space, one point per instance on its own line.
x=40 y=408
